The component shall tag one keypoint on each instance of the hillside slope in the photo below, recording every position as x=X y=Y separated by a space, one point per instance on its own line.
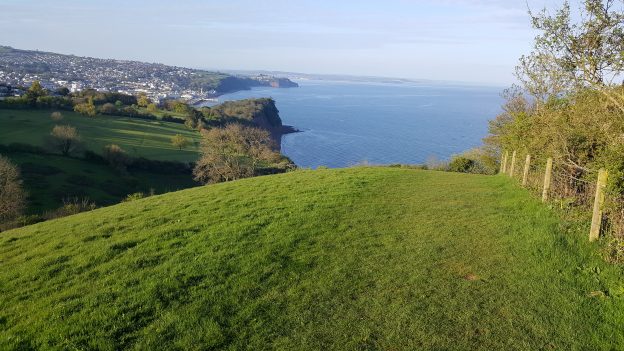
x=140 y=138
x=354 y=259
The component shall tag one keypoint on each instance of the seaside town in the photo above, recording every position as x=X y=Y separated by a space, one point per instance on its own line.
x=20 y=68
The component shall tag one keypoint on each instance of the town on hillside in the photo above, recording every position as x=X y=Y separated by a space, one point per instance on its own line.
x=20 y=68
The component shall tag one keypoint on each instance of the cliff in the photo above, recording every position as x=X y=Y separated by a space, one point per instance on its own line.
x=267 y=117
x=261 y=113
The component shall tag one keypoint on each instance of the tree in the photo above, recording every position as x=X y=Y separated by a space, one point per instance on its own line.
x=233 y=152
x=570 y=54
x=12 y=197
x=56 y=116
x=86 y=108
x=34 y=92
x=108 y=108
x=180 y=107
x=143 y=100
x=116 y=157
x=152 y=108
x=65 y=139
x=179 y=141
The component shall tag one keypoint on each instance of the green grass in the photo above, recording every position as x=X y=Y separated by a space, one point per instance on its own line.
x=49 y=179
x=139 y=138
x=355 y=259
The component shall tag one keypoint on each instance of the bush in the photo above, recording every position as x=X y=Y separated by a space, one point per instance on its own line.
x=71 y=206
x=12 y=196
x=56 y=116
x=134 y=196
x=461 y=164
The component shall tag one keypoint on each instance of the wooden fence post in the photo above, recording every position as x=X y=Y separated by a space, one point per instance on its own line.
x=547 y=179
x=512 y=168
x=503 y=169
x=525 y=174
x=601 y=184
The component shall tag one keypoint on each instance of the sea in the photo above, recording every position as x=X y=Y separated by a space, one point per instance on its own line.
x=346 y=123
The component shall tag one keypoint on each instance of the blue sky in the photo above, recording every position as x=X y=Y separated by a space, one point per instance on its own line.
x=459 y=40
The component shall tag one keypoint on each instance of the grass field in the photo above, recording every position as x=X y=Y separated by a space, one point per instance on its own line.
x=49 y=179
x=354 y=259
x=140 y=138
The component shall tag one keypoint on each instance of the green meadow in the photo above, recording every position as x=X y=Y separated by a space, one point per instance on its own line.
x=350 y=259
x=138 y=137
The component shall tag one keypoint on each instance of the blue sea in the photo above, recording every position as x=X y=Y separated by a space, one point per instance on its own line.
x=348 y=123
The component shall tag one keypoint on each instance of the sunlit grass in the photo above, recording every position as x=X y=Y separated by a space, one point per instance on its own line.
x=140 y=138
x=356 y=259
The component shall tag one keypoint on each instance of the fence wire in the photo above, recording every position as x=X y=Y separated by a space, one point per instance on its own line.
x=571 y=188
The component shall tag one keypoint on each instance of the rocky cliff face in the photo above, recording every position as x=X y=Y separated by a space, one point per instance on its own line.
x=283 y=83
x=267 y=117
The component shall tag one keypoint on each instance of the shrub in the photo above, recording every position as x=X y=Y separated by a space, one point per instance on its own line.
x=134 y=196
x=71 y=206
x=12 y=196
x=56 y=116
x=461 y=164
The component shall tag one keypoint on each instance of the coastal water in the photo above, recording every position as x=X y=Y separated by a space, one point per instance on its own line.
x=346 y=123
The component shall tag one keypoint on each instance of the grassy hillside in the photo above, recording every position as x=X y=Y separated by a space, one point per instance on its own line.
x=140 y=138
x=356 y=259
x=49 y=179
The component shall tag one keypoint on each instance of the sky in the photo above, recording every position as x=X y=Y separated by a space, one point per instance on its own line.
x=454 y=40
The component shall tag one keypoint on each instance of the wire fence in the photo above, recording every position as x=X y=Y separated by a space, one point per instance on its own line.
x=572 y=188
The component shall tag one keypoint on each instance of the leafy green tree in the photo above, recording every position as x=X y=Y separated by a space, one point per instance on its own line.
x=86 y=108
x=143 y=100
x=570 y=54
x=152 y=108
x=34 y=92
x=179 y=141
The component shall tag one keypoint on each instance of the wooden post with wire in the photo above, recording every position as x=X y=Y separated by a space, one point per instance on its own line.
x=601 y=184
x=503 y=168
x=525 y=174
x=512 y=167
x=547 y=179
